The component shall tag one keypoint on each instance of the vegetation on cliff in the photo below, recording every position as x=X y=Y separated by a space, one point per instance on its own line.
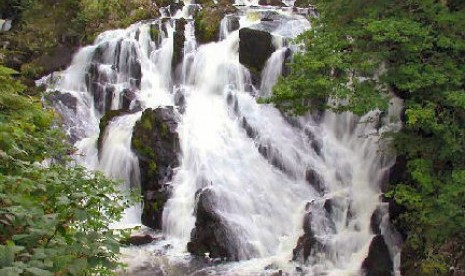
x=360 y=53
x=46 y=33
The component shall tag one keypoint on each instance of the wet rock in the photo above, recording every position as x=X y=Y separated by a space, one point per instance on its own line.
x=233 y=23
x=180 y=101
x=156 y=144
x=395 y=210
x=174 y=7
x=307 y=242
x=286 y=64
x=277 y=3
x=332 y=206
x=127 y=97
x=211 y=234
x=178 y=42
x=56 y=59
x=376 y=219
x=155 y=34
x=378 y=262
x=255 y=47
x=317 y=146
x=314 y=179
x=99 y=86
x=208 y=20
x=103 y=124
x=138 y=239
x=251 y=132
x=65 y=99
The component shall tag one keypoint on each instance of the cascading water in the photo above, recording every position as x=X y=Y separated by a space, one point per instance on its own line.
x=281 y=189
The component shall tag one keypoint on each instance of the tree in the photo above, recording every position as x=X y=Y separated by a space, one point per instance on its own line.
x=359 y=53
x=54 y=218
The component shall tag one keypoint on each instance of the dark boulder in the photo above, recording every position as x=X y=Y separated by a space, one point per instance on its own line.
x=255 y=47
x=315 y=180
x=178 y=42
x=271 y=3
x=99 y=86
x=65 y=99
x=138 y=239
x=127 y=97
x=376 y=219
x=378 y=262
x=251 y=132
x=307 y=243
x=156 y=144
x=174 y=7
x=56 y=59
x=232 y=22
x=211 y=234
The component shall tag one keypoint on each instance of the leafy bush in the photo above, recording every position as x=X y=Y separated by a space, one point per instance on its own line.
x=54 y=219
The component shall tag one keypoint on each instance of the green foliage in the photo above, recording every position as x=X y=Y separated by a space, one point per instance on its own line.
x=54 y=219
x=357 y=54
x=45 y=26
x=207 y=21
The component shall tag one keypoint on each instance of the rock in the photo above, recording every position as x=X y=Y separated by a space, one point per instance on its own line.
x=208 y=20
x=156 y=144
x=127 y=97
x=255 y=47
x=178 y=42
x=376 y=219
x=307 y=242
x=104 y=121
x=398 y=172
x=286 y=70
x=174 y=7
x=65 y=99
x=155 y=34
x=56 y=59
x=163 y=3
x=277 y=3
x=315 y=180
x=317 y=146
x=211 y=234
x=251 y=132
x=138 y=239
x=99 y=86
x=232 y=23
x=378 y=262
x=302 y=3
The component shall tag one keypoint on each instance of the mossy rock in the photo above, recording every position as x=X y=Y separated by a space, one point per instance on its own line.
x=105 y=121
x=208 y=21
x=178 y=42
x=302 y=3
x=156 y=143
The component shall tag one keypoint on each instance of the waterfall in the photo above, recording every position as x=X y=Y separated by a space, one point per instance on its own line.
x=272 y=181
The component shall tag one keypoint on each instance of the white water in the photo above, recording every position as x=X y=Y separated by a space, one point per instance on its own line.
x=262 y=194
